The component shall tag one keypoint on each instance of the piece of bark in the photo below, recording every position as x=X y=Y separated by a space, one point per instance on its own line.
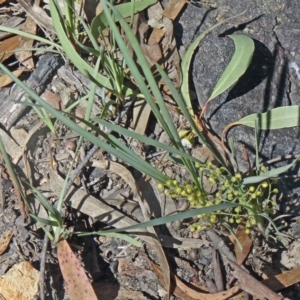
x=217 y=271
x=38 y=80
x=250 y=285
x=220 y=245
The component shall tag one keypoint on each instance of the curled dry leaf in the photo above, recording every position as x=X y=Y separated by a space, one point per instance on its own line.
x=5 y=240
x=77 y=283
x=181 y=290
x=244 y=241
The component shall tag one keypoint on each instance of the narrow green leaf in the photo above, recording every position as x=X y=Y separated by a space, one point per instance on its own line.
x=276 y=118
x=125 y=10
x=48 y=206
x=186 y=62
x=133 y=159
x=178 y=216
x=185 y=68
x=256 y=130
x=45 y=221
x=74 y=57
x=244 y=48
x=270 y=174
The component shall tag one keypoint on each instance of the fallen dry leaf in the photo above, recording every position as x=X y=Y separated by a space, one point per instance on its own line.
x=156 y=36
x=20 y=283
x=25 y=57
x=283 y=280
x=173 y=8
x=7 y=47
x=6 y=80
x=181 y=290
x=278 y=282
x=197 y=295
x=246 y=243
x=250 y=285
x=77 y=283
x=5 y=240
x=12 y=148
x=141 y=114
x=53 y=99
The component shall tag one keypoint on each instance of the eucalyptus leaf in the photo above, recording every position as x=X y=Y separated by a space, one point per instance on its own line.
x=186 y=62
x=270 y=174
x=276 y=118
x=241 y=59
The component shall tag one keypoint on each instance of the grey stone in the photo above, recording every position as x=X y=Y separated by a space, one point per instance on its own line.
x=272 y=80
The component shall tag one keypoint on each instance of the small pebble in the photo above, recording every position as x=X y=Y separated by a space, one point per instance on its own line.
x=193 y=254
x=70 y=145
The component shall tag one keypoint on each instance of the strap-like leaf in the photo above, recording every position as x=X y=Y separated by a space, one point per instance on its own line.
x=244 y=48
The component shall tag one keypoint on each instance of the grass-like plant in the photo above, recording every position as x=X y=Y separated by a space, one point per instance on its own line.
x=251 y=196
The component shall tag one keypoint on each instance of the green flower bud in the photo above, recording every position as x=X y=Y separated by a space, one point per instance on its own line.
x=238 y=209
x=265 y=184
x=238 y=176
x=178 y=190
x=160 y=186
x=251 y=189
x=169 y=182
x=229 y=196
x=199 y=227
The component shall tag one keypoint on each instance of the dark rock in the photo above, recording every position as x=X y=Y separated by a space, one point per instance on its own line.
x=272 y=80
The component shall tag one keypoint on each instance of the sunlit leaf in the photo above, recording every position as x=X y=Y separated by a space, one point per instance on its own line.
x=244 y=48
x=276 y=118
x=270 y=174
x=186 y=62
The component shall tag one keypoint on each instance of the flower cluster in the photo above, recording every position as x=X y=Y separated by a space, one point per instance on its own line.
x=253 y=200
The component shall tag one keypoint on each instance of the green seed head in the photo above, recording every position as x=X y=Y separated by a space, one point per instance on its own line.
x=275 y=191
x=231 y=220
x=167 y=192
